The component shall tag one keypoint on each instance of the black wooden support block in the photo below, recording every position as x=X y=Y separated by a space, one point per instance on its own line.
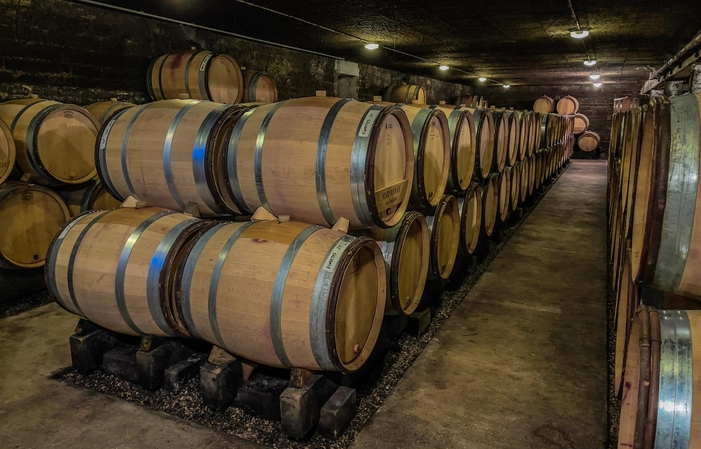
x=177 y=375
x=121 y=362
x=155 y=355
x=419 y=323
x=260 y=396
x=300 y=408
x=219 y=383
x=337 y=413
x=88 y=345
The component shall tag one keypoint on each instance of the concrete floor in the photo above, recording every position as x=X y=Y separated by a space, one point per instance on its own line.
x=520 y=364
x=522 y=361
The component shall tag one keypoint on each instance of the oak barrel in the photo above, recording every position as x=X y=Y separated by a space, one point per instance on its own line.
x=30 y=217
x=405 y=248
x=588 y=141
x=505 y=194
x=8 y=152
x=55 y=142
x=501 y=141
x=544 y=105
x=490 y=203
x=661 y=405
x=259 y=87
x=405 y=93
x=627 y=300
x=463 y=157
x=525 y=134
x=92 y=196
x=285 y=294
x=201 y=75
x=169 y=153
x=116 y=268
x=568 y=105
x=515 y=186
x=525 y=177
x=581 y=123
x=470 y=209
x=319 y=159
x=514 y=138
x=432 y=153
x=444 y=226
x=667 y=218
x=485 y=134
x=104 y=110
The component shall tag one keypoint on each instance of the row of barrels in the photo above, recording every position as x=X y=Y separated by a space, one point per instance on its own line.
x=415 y=94
x=203 y=75
x=654 y=246
x=271 y=290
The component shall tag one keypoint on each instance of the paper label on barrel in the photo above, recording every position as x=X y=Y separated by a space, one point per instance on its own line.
x=368 y=121
x=332 y=259
x=392 y=195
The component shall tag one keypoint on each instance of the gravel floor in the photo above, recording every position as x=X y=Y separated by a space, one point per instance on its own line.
x=375 y=385
x=15 y=306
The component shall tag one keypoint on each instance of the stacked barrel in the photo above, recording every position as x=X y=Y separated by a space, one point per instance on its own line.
x=655 y=242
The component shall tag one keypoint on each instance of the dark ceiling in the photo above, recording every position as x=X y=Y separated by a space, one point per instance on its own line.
x=521 y=42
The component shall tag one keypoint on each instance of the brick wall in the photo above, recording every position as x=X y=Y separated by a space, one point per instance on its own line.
x=81 y=54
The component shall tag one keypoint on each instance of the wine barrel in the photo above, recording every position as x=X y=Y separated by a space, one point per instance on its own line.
x=515 y=186
x=525 y=134
x=524 y=176
x=201 y=75
x=629 y=166
x=627 y=301
x=501 y=141
x=169 y=153
x=93 y=196
x=490 y=204
x=319 y=159
x=568 y=105
x=405 y=93
x=581 y=123
x=535 y=133
x=305 y=297
x=116 y=268
x=105 y=110
x=484 y=133
x=55 y=142
x=660 y=406
x=432 y=154
x=444 y=226
x=8 y=152
x=666 y=227
x=533 y=185
x=465 y=100
x=514 y=138
x=30 y=217
x=405 y=248
x=544 y=105
x=505 y=194
x=463 y=138
x=470 y=209
x=259 y=87
x=588 y=141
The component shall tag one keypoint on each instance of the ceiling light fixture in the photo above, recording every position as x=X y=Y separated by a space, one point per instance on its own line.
x=595 y=76
x=579 y=34
x=444 y=67
x=590 y=62
x=372 y=46
x=506 y=86
x=597 y=84
x=481 y=78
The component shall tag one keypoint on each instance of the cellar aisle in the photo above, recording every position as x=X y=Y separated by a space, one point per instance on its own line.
x=522 y=361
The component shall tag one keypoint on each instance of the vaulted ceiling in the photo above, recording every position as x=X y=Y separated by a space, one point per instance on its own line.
x=520 y=42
